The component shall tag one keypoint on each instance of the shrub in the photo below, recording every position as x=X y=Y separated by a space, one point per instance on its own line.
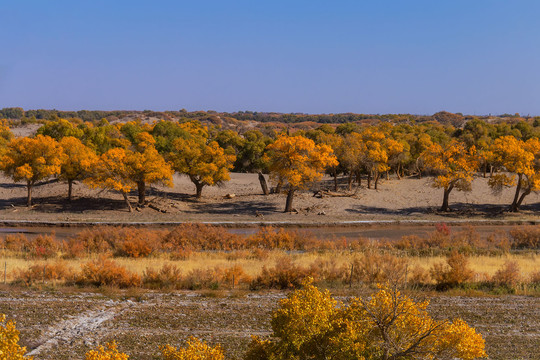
x=43 y=247
x=194 y=349
x=168 y=277
x=44 y=272
x=9 y=341
x=310 y=324
x=284 y=275
x=374 y=268
x=507 y=276
x=120 y=241
x=526 y=237
x=16 y=242
x=195 y=237
x=109 y=352
x=456 y=271
x=419 y=276
x=235 y=275
x=106 y=272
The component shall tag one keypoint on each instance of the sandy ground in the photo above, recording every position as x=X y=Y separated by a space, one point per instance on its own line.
x=406 y=199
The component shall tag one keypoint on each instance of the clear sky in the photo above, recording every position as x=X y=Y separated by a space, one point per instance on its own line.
x=378 y=56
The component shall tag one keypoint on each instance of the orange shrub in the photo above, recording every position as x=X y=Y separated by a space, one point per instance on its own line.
x=195 y=237
x=419 y=276
x=375 y=268
x=120 y=241
x=526 y=237
x=43 y=247
x=284 y=275
x=456 y=271
x=271 y=238
x=15 y=242
x=168 y=277
x=507 y=276
x=106 y=272
x=235 y=275
x=44 y=272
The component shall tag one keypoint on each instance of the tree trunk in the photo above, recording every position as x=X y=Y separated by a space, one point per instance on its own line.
x=369 y=180
x=397 y=171
x=350 y=180
x=446 y=195
x=141 y=189
x=70 y=189
x=335 y=181
x=377 y=177
x=387 y=176
x=485 y=170
x=264 y=185
x=29 y=186
x=279 y=185
x=199 y=186
x=525 y=193
x=515 y=207
x=288 y=204
x=127 y=201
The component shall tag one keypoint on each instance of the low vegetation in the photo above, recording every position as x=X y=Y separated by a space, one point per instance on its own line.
x=196 y=256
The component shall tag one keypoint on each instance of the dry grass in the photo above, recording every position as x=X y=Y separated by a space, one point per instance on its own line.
x=484 y=266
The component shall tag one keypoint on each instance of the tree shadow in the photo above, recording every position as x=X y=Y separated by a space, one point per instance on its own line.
x=60 y=204
x=457 y=210
x=243 y=207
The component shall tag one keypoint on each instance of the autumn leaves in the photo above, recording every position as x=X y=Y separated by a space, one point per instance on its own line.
x=131 y=156
x=128 y=161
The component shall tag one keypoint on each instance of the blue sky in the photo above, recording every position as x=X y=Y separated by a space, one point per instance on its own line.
x=473 y=56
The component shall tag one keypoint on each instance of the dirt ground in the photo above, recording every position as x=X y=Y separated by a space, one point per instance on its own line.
x=58 y=325
x=401 y=200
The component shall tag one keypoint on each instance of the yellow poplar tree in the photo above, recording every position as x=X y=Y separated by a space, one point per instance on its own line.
x=310 y=324
x=350 y=155
x=202 y=160
x=78 y=161
x=147 y=166
x=125 y=169
x=9 y=341
x=32 y=160
x=112 y=172
x=454 y=165
x=518 y=158
x=299 y=161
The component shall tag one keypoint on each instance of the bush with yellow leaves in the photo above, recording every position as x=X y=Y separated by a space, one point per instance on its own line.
x=194 y=349
x=107 y=352
x=310 y=324
x=9 y=341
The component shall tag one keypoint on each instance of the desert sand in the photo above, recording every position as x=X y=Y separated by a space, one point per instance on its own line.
x=409 y=199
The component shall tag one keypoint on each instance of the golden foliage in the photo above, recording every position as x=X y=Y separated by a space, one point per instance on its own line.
x=298 y=160
x=202 y=160
x=9 y=341
x=109 y=352
x=311 y=324
x=32 y=159
x=454 y=164
x=78 y=161
x=194 y=349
